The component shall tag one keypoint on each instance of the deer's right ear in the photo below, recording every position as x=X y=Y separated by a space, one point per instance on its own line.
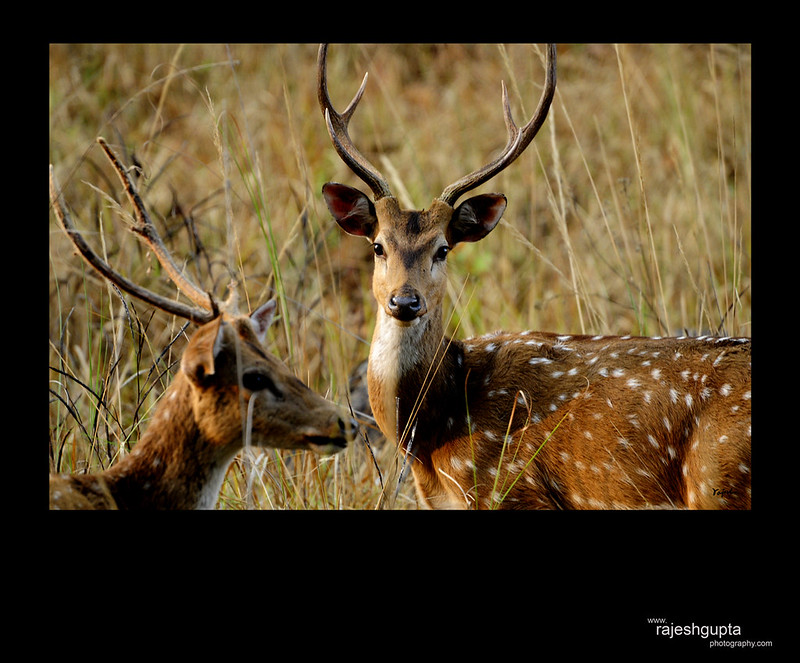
x=199 y=359
x=353 y=210
x=262 y=318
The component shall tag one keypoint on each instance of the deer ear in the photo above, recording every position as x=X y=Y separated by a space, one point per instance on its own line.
x=199 y=359
x=262 y=318
x=353 y=210
x=475 y=218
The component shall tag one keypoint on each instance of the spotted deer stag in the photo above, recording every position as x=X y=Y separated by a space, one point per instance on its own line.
x=228 y=392
x=532 y=420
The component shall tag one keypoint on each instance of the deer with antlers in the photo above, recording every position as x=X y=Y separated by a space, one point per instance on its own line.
x=228 y=392
x=531 y=420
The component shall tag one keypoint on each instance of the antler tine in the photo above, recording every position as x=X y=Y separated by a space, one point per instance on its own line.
x=518 y=139
x=147 y=230
x=337 y=124
x=197 y=315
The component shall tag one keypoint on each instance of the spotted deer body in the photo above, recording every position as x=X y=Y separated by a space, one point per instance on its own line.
x=537 y=420
x=533 y=419
x=229 y=393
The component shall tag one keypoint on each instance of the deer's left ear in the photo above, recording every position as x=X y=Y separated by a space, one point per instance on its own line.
x=199 y=359
x=475 y=218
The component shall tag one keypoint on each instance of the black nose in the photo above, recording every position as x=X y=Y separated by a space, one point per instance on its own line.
x=405 y=307
x=349 y=427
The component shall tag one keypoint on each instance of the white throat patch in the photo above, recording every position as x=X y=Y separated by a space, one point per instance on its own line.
x=396 y=348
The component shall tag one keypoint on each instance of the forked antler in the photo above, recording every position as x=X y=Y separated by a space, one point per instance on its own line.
x=207 y=308
x=337 y=128
x=518 y=139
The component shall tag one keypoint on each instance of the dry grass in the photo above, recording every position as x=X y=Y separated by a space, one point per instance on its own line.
x=630 y=213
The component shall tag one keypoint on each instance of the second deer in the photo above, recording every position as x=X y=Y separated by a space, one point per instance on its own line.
x=229 y=392
x=532 y=419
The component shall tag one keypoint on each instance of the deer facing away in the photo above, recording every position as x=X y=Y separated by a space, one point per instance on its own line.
x=228 y=392
x=532 y=419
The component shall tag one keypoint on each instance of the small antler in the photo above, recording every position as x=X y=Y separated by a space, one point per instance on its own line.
x=518 y=139
x=207 y=308
x=337 y=128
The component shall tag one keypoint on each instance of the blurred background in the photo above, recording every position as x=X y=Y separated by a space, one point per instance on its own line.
x=629 y=214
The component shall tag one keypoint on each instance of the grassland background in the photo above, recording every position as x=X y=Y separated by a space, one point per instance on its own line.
x=630 y=213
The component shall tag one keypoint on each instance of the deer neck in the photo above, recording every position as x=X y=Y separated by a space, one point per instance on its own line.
x=172 y=466
x=413 y=370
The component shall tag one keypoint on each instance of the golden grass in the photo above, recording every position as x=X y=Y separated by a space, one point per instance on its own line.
x=630 y=213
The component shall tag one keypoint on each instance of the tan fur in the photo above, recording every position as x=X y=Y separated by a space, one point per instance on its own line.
x=202 y=422
x=537 y=420
x=228 y=393
x=532 y=420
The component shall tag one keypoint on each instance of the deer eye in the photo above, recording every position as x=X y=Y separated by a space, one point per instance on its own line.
x=258 y=381
x=441 y=253
x=378 y=249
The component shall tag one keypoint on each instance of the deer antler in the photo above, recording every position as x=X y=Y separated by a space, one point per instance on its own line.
x=518 y=139
x=337 y=128
x=207 y=308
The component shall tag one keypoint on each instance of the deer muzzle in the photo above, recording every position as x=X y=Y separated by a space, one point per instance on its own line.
x=406 y=306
